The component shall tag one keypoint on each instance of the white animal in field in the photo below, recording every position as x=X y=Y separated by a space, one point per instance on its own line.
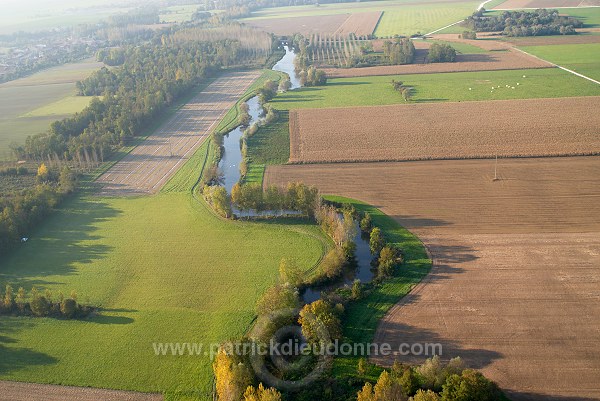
x=512 y=87
x=518 y=84
x=470 y=89
x=524 y=76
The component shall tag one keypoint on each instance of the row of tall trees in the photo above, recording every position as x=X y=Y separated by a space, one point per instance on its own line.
x=41 y=305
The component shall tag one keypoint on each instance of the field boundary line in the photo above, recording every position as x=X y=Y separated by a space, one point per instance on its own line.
x=457 y=22
x=559 y=66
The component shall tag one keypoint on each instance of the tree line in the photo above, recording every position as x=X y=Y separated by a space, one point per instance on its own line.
x=41 y=305
x=524 y=23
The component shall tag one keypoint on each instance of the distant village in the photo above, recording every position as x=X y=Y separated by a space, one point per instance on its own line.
x=19 y=59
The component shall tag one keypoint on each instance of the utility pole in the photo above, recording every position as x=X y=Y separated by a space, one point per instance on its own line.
x=496 y=170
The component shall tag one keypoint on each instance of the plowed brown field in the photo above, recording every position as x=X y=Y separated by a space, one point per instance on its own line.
x=361 y=24
x=538 y=127
x=304 y=25
x=506 y=60
x=515 y=287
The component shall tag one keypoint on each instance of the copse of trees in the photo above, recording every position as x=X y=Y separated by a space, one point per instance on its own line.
x=399 y=51
x=441 y=53
x=432 y=381
x=313 y=77
x=23 y=210
x=524 y=23
x=41 y=305
x=404 y=90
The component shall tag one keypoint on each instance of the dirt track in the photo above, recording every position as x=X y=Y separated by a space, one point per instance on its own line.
x=14 y=391
x=453 y=130
x=148 y=167
x=506 y=60
x=515 y=288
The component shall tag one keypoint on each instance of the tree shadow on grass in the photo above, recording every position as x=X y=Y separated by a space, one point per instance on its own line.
x=63 y=240
x=13 y=358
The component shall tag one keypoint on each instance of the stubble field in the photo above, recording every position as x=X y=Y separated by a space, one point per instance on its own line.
x=509 y=128
x=145 y=169
x=515 y=287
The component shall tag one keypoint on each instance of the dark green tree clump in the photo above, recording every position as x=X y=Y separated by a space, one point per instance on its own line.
x=524 y=23
x=441 y=53
x=399 y=51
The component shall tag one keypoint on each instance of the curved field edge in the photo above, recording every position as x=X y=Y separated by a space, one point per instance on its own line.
x=363 y=316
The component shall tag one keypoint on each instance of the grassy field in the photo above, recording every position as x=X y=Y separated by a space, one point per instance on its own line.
x=29 y=105
x=581 y=58
x=65 y=106
x=400 y=17
x=178 y=14
x=164 y=269
x=422 y=19
x=271 y=144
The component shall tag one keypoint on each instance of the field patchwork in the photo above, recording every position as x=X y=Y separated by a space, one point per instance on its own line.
x=507 y=128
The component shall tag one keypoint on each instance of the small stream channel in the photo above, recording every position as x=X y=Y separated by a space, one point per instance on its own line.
x=230 y=166
x=232 y=153
x=362 y=270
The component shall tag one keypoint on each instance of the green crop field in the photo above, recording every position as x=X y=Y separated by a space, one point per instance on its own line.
x=65 y=106
x=400 y=17
x=462 y=48
x=271 y=144
x=29 y=105
x=422 y=19
x=581 y=58
x=164 y=268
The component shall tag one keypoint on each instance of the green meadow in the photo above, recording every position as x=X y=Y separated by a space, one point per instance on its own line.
x=581 y=58
x=29 y=105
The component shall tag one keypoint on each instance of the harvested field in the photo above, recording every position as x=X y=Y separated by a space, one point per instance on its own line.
x=493 y=61
x=542 y=127
x=150 y=164
x=515 y=286
x=14 y=391
x=361 y=24
x=516 y=4
x=303 y=25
